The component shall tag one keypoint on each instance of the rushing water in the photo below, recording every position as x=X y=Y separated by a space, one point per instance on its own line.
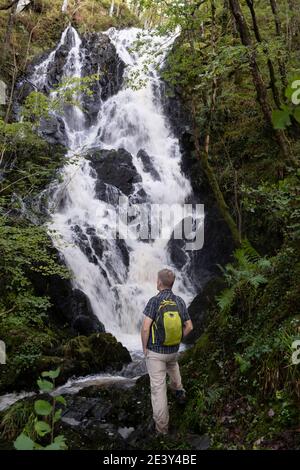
x=134 y=120
x=131 y=119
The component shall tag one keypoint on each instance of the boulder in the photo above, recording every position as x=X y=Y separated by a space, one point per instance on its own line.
x=98 y=352
x=69 y=306
x=115 y=168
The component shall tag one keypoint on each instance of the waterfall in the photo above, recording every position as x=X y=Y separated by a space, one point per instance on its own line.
x=134 y=120
x=64 y=7
x=111 y=9
x=21 y=5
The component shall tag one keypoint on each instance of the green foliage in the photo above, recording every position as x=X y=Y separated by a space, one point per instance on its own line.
x=46 y=417
x=38 y=106
x=278 y=203
x=243 y=278
x=282 y=118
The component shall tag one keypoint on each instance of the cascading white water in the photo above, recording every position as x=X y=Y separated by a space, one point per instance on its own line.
x=133 y=120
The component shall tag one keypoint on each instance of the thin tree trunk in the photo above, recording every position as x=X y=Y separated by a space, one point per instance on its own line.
x=269 y=61
x=213 y=182
x=203 y=155
x=258 y=82
x=281 y=63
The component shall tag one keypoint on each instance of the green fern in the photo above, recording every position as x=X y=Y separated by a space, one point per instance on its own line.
x=225 y=299
x=243 y=277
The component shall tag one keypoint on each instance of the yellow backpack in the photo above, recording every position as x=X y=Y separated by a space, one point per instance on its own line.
x=167 y=327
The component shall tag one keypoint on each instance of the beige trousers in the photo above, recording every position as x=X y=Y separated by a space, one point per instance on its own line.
x=158 y=365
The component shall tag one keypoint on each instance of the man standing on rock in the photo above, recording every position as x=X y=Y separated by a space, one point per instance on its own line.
x=166 y=322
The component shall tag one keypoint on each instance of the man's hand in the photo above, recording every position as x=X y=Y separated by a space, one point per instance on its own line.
x=187 y=327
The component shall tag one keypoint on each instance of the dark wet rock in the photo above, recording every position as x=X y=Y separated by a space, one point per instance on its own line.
x=100 y=57
x=202 y=264
x=200 y=306
x=147 y=164
x=178 y=116
x=53 y=130
x=69 y=306
x=114 y=417
x=84 y=244
x=78 y=311
x=114 y=167
x=94 y=248
x=123 y=250
x=55 y=69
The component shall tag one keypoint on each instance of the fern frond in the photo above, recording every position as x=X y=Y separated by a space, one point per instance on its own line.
x=251 y=253
x=225 y=299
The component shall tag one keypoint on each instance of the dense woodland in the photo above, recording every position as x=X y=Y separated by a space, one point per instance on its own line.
x=236 y=68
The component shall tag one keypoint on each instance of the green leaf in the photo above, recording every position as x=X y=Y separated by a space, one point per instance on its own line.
x=42 y=428
x=53 y=374
x=24 y=442
x=61 y=399
x=58 y=444
x=281 y=118
x=297 y=114
x=42 y=407
x=45 y=385
x=57 y=416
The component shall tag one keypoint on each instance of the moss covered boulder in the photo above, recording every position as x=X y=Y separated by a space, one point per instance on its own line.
x=82 y=355
x=95 y=353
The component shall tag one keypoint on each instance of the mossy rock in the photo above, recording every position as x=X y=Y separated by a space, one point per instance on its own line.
x=98 y=352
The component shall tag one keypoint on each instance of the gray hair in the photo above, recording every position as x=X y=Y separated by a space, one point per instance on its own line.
x=166 y=277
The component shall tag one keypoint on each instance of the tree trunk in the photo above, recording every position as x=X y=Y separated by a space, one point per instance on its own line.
x=213 y=182
x=261 y=89
x=269 y=61
x=203 y=155
x=281 y=63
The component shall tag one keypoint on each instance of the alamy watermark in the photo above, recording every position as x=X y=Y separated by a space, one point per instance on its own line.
x=296 y=94
x=148 y=221
x=2 y=352
x=296 y=353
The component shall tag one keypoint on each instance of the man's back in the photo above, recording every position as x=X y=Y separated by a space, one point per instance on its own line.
x=151 y=311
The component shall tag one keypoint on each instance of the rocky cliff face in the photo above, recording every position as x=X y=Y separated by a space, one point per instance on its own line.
x=218 y=244
x=98 y=57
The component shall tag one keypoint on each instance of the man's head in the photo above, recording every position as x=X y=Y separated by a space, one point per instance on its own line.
x=165 y=279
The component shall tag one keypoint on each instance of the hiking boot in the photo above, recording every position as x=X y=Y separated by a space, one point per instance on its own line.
x=180 y=396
